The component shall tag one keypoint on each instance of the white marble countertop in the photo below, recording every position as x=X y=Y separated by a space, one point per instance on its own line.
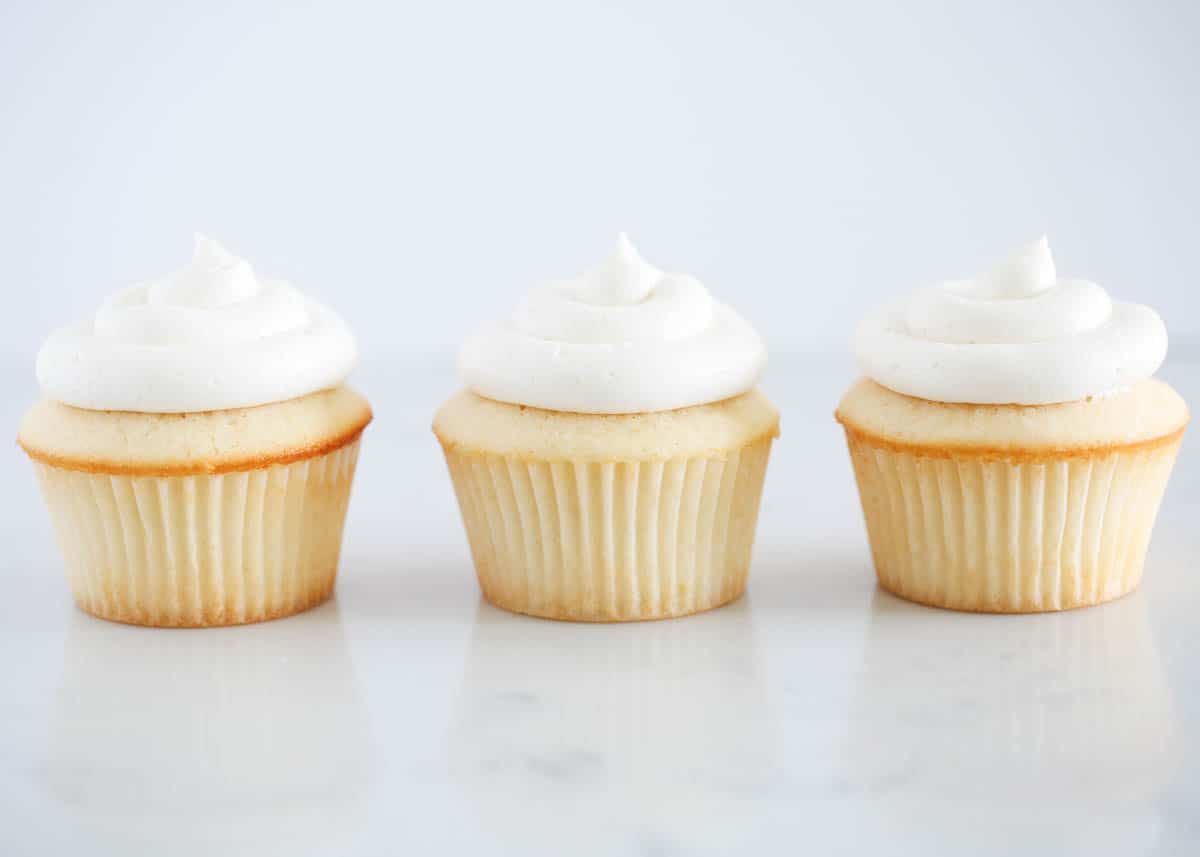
x=817 y=715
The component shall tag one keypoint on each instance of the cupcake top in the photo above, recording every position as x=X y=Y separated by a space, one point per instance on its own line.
x=623 y=338
x=1019 y=334
x=211 y=336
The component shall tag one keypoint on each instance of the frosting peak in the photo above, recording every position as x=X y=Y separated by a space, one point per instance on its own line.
x=624 y=278
x=624 y=337
x=1016 y=335
x=214 y=277
x=210 y=336
x=1026 y=272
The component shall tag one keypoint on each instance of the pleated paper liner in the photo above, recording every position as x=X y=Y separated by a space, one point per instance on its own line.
x=1010 y=536
x=611 y=541
x=198 y=550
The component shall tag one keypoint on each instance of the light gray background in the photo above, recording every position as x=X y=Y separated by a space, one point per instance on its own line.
x=418 y=165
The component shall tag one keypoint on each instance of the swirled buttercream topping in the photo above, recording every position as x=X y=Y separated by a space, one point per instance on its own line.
x=1016 y=335
x=211 y=336
x=622 y=338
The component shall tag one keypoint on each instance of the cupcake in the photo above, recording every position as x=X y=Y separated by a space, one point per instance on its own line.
x=196 y=445
x=1010 y=443
x=609 y=450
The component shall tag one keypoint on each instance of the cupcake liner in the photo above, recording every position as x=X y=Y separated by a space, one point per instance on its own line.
x=208 y=549
x=611 y=541
x=1010 y=535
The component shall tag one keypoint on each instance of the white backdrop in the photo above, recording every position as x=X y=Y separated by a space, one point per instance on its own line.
x=418 y=165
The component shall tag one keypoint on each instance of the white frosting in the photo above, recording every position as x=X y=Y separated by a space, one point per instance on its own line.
x=211 y=336
x=623 y=338
x=1017 y=335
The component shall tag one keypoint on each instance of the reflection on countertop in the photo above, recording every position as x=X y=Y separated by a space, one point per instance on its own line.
x=1041 y=718
x=221 y=736
x=666 y=724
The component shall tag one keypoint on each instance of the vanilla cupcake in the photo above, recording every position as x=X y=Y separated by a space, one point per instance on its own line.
x=609 y=451
x=196 y=445
x=1010 y=443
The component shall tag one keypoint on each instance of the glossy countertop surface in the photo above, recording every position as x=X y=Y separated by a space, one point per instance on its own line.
x=816 y=715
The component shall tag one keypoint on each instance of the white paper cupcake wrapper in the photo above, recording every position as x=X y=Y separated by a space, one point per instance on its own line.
x=973 y=533
x=612 y=541
x=217 y=549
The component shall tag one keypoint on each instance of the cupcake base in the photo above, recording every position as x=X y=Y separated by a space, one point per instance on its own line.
x=1009 y=537
x=964 y=523
x=201 y=519
x=604 y=619
x=202 y=550
x=559 y=531
x=611 y=542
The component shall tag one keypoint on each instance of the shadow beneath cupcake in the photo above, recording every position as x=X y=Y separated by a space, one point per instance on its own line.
x=221 y=739
x=652 y=726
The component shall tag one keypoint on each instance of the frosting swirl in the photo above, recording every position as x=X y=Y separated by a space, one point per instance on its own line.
x=622 y=338
x=1016 y=335
x=211 y=336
